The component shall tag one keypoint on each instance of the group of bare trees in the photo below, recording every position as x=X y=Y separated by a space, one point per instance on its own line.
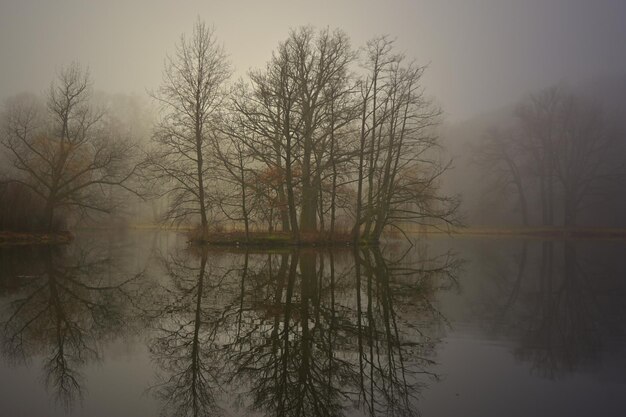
x=321 y=140
x=559 y=156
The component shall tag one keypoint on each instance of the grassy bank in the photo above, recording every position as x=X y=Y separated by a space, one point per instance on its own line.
x=281 y=239
x=538 y=232
x=32 y=238
x=274 y=239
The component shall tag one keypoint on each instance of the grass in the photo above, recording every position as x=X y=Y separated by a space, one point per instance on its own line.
x=538 y=232
x=272 y=239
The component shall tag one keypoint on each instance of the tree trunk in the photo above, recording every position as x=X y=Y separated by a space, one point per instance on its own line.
x=49 y=212
x=284 y=209
x=333 y=190
x=308 y=212
x=203 y=218
x=244 y=208
x=293 y=219
x=359 y=194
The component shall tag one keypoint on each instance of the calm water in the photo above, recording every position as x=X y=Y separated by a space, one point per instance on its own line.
x=139 y=325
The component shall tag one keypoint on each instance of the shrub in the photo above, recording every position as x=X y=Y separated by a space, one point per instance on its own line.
x=21 y=210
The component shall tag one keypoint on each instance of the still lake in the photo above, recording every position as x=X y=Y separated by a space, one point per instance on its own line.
x=138 y=324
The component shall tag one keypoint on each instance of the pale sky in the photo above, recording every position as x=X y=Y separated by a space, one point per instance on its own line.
x=482 y=54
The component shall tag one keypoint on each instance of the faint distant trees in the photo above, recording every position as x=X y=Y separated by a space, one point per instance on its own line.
x=559 y=152
x=66 y=152
x=498 y=155
x=190 y=96
x=583 y=159
x=538 y=124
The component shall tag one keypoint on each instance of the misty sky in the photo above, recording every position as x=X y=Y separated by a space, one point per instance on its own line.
x=482 y=54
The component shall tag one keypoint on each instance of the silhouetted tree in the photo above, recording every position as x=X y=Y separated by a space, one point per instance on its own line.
x=559 y=151
x=298 y=120
x=190 y=96
x=67 y=153
x=503 y=163
x=399 y=166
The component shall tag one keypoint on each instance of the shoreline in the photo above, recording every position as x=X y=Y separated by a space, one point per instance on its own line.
x=277 y=240
x=8 y=238
x=531 y=232
x=281 y=240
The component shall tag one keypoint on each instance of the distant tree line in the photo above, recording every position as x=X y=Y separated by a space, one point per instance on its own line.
x=560 y=156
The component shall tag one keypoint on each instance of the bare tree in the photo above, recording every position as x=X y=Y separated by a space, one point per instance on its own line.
x=559 y=152
x=266 y=112
x=190 y=95
x=583 y=162
x=399 y=166
x=499 y=156
x=537 y=117
x=234 y=172
x=292 y=113
x=67 y=152
x=317 y=62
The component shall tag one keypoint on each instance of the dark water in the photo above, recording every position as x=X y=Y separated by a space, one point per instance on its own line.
x=139 y=325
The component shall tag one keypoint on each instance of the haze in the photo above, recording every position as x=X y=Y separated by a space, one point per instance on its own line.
x=482 y=54
x=313 y=209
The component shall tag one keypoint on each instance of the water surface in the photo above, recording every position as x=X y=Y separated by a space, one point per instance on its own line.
x=142 y=325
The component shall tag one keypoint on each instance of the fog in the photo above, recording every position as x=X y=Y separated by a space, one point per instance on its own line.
x=313 y=208
x=481 y=88
x=481 y=54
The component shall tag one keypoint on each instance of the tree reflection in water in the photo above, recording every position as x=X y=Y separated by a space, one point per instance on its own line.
x=62 y=306
x=186 y=346
x=564 y=310
x=297 y=333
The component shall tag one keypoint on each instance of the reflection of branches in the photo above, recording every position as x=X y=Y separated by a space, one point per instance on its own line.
x=186 y=344
x=63 y=311
x=566 y=334
x=393 y=352
x=318 y=352
x=294 y=333
x=502 y=312
x=559 y=315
